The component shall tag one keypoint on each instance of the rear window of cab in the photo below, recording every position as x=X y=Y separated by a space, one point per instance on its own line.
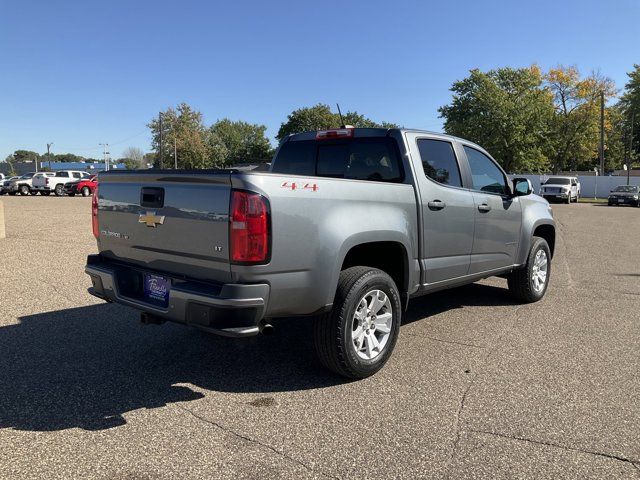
x=368 y=158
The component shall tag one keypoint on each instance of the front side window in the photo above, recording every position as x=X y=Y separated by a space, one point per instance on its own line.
x=439 y=161
x=485 y=174
x=76 y=175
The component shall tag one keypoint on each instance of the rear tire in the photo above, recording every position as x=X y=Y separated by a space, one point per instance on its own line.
x=59 y=191
x=72 y=194
x=522 y=282
x=346 y=337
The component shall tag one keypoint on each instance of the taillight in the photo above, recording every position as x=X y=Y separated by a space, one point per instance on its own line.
x=249 y=227
x=330 y=134
x=46 y=180
x=94 y=213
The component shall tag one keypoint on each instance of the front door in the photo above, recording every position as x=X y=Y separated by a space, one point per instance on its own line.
x=447 y=210
x=498 y=215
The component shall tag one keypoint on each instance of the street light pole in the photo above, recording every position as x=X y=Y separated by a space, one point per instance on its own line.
x=105 y=155
x=601 y=150
x=630 y=157
x=161 y=149
x=48 y=154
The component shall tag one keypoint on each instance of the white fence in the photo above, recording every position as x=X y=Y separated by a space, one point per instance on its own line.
x=590 y=186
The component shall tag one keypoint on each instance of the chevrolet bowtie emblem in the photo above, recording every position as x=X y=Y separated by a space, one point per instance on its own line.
x=151 y=219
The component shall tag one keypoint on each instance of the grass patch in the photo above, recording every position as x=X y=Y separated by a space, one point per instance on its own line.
x=592 y=200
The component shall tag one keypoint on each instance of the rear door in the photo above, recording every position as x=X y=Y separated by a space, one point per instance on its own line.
x=498 y=215
x=447 y=208
x=175 y=223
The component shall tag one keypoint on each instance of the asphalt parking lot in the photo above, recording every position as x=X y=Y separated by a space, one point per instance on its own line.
x=478 y=386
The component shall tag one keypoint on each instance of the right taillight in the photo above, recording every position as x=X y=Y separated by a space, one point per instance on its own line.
x=249 y=227
x=94 y=213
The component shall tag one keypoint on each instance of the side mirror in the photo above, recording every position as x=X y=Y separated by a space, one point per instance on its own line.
x=522 y=187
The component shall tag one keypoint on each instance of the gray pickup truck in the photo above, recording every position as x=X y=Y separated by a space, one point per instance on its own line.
x=347 y=226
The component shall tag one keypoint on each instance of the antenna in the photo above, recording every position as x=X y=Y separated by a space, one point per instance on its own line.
x=342 y=125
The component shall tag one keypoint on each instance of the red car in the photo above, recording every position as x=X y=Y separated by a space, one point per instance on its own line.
x=83 y=187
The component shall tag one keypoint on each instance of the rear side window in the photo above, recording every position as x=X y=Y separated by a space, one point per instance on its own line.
x=76 y=175
x=486 y=175
x=439 y=162
x=374 y=159
x=62 y=174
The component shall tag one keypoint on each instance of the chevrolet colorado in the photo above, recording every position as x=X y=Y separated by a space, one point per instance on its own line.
x=346 y=227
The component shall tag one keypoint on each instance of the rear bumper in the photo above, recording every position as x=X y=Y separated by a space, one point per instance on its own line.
x=232 y=310
x=623 y=201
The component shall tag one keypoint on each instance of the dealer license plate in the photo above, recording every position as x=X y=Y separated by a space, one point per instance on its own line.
x=156 y=289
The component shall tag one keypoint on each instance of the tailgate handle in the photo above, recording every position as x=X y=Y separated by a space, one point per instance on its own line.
x=152 y=197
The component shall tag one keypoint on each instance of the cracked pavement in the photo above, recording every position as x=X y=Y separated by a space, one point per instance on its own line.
x=478 y=386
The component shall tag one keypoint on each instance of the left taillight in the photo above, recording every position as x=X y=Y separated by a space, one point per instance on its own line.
x=249 y=225
x=94 y=213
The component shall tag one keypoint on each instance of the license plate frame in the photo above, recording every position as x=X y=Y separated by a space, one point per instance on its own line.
x=156 y=289
x=621 y=200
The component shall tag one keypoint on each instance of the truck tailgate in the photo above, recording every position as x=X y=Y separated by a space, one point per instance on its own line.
x=174 y=223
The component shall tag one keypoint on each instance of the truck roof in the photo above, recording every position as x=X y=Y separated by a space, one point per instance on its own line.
x=378 y=132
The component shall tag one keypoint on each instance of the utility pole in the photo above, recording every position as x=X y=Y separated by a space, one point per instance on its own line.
x=175 y=152
x=161 y=149
x=601 y=152
x=630 y=157
x=49 y=154
x=105 y=155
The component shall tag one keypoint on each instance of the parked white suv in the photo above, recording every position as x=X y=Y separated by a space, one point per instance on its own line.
x=565 y=189
x=55 y=183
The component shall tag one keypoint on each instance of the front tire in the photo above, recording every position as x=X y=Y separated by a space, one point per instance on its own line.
x=529 y=283
x=356 y=338
x=86 y=191
x=25 y=190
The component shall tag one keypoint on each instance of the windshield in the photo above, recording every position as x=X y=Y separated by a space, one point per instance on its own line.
x=28 y=175
x=626 y=188
x=558 y=181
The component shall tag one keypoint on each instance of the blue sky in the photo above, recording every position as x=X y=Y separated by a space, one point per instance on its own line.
x=79 y=73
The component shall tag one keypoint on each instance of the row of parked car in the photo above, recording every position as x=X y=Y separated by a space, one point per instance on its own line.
x=63 y=182
x=567 y=190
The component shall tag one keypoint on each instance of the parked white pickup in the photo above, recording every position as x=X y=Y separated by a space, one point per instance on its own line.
x=47 y=184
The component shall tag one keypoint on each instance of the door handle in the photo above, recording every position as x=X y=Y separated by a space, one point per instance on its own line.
x=436 y=205
x=484 y=207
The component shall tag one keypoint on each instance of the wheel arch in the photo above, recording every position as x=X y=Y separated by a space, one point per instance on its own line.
x=548 y=232
x=391 y=255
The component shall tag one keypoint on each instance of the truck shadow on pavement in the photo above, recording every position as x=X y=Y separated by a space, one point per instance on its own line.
x=85 y=367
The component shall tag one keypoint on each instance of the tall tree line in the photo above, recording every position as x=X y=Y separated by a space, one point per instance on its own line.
x=539 y=122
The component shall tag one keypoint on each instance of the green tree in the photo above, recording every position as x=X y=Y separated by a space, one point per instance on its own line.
x=507 y=111
x=66 y=157
x=575 y=126
x=12 y=169
x=183 y=128
x=320 y=117
x=614 y=133
x=133 y=158
x=238 y=142
x=630 y=105
x=25 y=156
